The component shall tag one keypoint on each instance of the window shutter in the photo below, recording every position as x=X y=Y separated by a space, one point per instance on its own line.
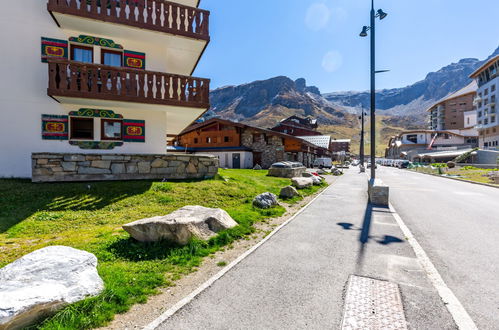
x=134 y=130
x=134 y=60
x=54 y=127
x=54 y=48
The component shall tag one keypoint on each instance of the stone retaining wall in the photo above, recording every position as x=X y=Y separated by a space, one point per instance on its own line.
x=58 y=167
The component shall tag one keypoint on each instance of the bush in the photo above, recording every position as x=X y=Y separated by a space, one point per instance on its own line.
x=451 y=164
x=438 y=165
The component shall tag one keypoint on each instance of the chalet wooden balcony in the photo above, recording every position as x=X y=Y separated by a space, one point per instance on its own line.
x=156 y=15
x=101 y=82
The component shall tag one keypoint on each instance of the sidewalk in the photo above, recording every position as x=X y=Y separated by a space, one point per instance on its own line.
x=296 y=280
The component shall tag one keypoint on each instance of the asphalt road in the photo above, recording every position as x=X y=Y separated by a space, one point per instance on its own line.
x=297 y=279
x=457 y=224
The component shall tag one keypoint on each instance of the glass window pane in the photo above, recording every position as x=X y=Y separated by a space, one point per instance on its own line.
x=112 y=59
x=112 y=129
x=82 y=55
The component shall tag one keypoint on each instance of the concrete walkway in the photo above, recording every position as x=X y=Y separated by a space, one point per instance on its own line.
x=296 y=280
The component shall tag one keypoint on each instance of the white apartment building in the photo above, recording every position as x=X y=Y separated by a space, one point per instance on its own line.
x=88 y=76
x=487 y=79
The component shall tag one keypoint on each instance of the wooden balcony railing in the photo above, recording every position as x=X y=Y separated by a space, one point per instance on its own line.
x=84 y=80
x=157 y=15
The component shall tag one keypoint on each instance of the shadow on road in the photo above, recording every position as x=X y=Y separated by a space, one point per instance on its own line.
x=365 y=230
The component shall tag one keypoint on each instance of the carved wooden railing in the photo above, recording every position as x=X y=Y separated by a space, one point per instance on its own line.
x=84 y=80
x=158 y=15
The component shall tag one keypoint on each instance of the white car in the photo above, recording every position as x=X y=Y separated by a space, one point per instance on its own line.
x=323 y=163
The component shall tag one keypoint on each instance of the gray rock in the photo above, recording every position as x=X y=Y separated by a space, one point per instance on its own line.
x=317 y=181
x=92 y=170
x=74 y=158
x=301 y=182
x=158 y=162
x=288 y=192
x=115 y=158
x=257 y=167
x=265 y=200
x=181 y=225
x=69 y=166
x=144 y=167
x=106 y=164
x=131 y=169
x=45 y=281
x=118 y=168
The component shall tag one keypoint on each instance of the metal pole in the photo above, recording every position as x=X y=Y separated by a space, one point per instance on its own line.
x=362 y=138
x=373 y=94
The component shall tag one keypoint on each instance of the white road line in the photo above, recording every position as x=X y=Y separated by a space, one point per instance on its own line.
x=175 y=308
x=456 y=309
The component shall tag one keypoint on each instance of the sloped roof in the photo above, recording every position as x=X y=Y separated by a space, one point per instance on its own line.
x=470 y=88
x=484 y=66
x=319 y=140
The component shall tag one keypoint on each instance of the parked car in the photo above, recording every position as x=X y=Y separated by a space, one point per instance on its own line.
x=322 y=163
x=403 y=164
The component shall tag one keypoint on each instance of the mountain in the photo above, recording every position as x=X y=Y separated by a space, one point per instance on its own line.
x=413 y=100
x=265 y=102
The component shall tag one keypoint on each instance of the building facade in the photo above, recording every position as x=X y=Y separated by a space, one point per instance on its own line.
x=105 y=77
x=455 y=111
x=487 y=79
x=411 y=145
x=298 y=126
x=243 y=146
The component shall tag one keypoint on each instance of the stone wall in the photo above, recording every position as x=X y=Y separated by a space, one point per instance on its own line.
x=58 y=167
x=272 y=148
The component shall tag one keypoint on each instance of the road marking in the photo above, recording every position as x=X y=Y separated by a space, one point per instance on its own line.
x=456 y=309
x=372 y=304
x=179 y=305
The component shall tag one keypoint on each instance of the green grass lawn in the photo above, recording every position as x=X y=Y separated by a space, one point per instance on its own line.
x=89 y=216
x=464 y=173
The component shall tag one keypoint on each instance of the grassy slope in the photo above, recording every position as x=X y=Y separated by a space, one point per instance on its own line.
x=384 y=131
x=89 y=217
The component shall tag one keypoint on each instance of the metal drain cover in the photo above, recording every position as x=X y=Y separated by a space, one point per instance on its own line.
x=372 y=304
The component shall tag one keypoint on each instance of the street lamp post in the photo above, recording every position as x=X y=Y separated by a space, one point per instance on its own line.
x=362 y=169
x=381 y=15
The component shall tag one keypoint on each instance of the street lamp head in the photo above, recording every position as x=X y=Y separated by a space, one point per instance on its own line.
x=381 y=14
x=364 y=31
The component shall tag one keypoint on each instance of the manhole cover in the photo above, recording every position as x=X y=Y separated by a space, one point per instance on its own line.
x=372 y=304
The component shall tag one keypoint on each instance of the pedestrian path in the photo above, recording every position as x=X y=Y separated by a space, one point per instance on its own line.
x=298 y=278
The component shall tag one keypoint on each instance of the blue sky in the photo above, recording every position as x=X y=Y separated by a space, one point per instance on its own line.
x=318 y=40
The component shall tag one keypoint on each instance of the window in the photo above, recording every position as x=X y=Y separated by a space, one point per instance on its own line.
x=195 y=140
x=493 y=88
x=208 y=140
x=82 y=128
x=486 y=92
x=110 y=129
x=412 y=138
x=82 y=54
x=111 y=57
x=493 y=119
x=226 y=139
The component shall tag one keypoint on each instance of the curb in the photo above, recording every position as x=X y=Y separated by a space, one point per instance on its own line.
x=456 y=179
x=180 y=304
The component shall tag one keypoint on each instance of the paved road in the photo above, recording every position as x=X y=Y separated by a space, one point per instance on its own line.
x=457 y=224
x=296 y=280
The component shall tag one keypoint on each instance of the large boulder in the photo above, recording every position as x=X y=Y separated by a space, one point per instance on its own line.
x=265 y=200
x=288 y=192
x=301 y=182
x=45 y=281
x=182 y=225
x=317 y=180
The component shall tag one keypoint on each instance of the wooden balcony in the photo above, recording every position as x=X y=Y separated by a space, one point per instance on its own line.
x=157 y=15
x=100 y=82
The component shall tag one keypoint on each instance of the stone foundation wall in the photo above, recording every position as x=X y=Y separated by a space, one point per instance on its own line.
x=59 y=167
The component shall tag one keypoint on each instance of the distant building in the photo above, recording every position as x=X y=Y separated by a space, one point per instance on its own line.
x=419 y=145
x=487 y=121
x=455 y=111
x=243 y=146
x=340 y=145
x=298 y=126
